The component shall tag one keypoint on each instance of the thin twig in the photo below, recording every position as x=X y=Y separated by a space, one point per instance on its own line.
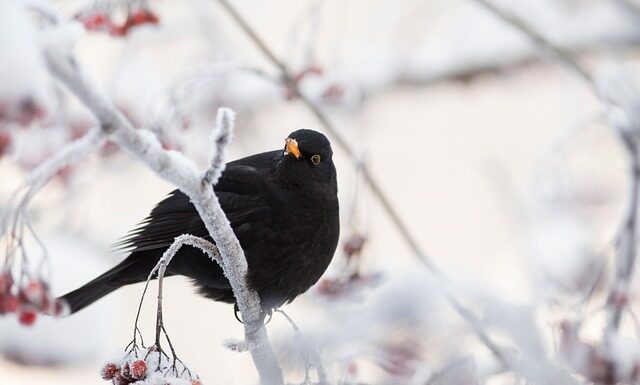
x=312 y=356
x=288 y=79
x=373 y=184
x=541 y=41
x=626 y=247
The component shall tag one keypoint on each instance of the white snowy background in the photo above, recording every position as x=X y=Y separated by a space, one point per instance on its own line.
x=505 y=165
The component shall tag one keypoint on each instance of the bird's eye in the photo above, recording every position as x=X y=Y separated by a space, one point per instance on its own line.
x=315 y=159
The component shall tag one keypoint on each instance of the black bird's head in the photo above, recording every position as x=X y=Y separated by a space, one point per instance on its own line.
x=307 y=158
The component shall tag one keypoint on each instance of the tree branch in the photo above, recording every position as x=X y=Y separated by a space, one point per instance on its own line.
x=179 y=170
x=627 y=248
x=519 y=24
x=288 y=78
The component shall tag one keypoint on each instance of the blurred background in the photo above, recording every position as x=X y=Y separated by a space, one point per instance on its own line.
x=499 y=159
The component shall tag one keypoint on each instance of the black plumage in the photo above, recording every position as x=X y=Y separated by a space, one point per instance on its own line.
x=283 y=207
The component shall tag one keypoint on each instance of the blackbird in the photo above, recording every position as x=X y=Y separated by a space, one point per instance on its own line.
x=283 y=207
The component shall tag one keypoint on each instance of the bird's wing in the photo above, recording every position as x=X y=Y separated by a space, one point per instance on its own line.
x=242 y=192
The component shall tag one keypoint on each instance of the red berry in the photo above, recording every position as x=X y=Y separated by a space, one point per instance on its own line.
x=137 y=17
x=138 y=369
x=27 y=317
x=142 y=16
x=108 y=371
x=6 y=281
x=94 y=21
x=196 y=382
x=11 y=304
x=5 y=143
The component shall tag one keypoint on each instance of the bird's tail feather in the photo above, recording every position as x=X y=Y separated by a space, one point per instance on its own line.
x=98 y=288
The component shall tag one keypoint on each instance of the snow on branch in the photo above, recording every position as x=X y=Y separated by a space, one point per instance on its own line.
x=179 y=170
x=618 y=90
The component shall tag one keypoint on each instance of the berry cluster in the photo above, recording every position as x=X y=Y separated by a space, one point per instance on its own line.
x=128 y=373
x=102 y=22
x=28 y=300
x=146 y=371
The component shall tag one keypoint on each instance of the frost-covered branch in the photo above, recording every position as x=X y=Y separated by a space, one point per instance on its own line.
x=220 y=138
x=161 y=267
x=177 y=169
x=618 y=89
x=38 y=178
x=627 y=239
x=70 y=154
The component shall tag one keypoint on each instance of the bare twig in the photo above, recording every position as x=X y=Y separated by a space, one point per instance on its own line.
x=311 y=355
x=288 y=79
x=626 y=247
x=373 y=184
x=521 y=25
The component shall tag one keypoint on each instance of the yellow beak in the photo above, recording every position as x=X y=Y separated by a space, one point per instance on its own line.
x=291 y=147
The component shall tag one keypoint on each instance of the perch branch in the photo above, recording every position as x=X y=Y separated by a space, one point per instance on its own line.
x=179 y=170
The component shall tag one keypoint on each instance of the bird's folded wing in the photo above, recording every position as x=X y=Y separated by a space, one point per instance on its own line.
x=242 y=195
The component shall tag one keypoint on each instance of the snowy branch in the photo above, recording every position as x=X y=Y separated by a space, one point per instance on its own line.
x=175 y=168
x=220 y=138
x=618 y=90
x=627 y=242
